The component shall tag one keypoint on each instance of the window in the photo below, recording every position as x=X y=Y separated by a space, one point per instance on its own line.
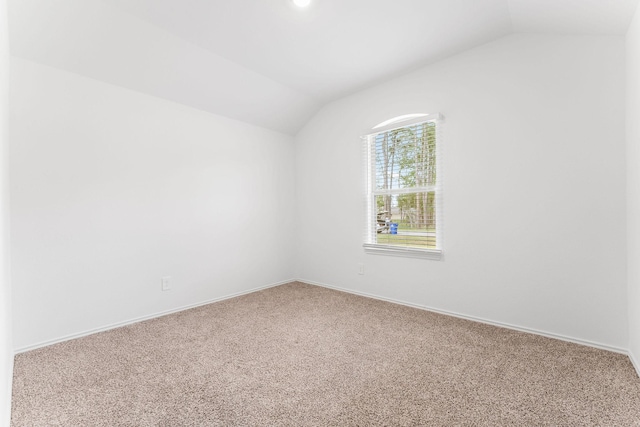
x=404 y=196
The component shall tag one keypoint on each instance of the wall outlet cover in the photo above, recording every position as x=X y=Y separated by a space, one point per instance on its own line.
x=166 y=283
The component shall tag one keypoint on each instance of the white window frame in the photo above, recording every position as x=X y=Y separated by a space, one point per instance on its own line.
x=370 y=245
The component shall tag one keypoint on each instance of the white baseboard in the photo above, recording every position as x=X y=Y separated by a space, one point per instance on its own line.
x=143 y=318
x=588 y=343
x=479 y=319
x=634 y=362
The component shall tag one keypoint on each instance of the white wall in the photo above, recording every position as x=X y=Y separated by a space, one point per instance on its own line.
x=6 y=347
x=112 y=189
x=534 y=188
x=633 y=186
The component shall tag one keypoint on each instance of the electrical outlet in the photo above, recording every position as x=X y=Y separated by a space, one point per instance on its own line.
x=361 y=268
x=166 y=283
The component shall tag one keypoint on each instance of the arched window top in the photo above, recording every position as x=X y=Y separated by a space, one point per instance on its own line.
x=405 y=120
x=400 y=119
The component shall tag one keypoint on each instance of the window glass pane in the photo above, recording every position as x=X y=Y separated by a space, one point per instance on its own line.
x=406 y=219
x=406 y=157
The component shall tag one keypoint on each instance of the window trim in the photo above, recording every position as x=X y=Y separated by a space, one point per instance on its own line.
x=401 y=251
x=403 y=122
x=369 y=171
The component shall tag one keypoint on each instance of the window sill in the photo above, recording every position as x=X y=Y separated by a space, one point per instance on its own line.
x=374 y=249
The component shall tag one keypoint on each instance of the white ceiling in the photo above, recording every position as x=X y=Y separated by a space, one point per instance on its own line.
x=265 y=61
x=333 y=47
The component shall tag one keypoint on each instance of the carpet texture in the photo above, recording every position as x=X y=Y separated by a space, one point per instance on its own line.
x=301 y=355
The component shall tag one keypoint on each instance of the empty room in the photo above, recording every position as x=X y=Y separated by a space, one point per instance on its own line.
x=319 y=213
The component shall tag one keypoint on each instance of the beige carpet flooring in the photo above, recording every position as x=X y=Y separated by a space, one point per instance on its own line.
x=301 y=355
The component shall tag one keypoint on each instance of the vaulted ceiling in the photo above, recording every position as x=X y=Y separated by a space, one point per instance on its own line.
x=269 y=63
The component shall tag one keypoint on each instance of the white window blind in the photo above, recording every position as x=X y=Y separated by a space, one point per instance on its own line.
x=404 y=192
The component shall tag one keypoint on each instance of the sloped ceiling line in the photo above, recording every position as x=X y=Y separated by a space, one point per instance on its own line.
x=267 y=63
